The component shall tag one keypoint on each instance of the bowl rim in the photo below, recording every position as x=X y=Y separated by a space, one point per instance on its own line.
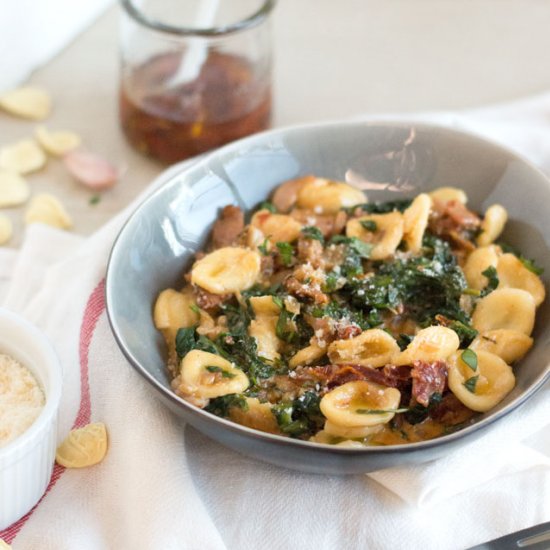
x=174 y=176
x=52 y=397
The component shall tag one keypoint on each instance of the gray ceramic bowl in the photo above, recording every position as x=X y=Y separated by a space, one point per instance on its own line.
x=159 y=239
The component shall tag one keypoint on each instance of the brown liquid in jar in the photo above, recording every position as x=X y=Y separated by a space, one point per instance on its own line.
x=226 y=102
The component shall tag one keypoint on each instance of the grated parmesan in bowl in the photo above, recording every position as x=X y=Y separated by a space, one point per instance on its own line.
x=30 y=394
x=21 y=399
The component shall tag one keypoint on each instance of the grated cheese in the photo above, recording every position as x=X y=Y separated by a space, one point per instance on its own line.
x=21 y=399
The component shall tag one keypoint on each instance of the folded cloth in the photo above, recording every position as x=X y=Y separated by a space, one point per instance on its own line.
x=164 y=485
x=39 y=30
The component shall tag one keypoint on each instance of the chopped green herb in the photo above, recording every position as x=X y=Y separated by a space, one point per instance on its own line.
x=94 y=199
x=312 y=232
x=333 y=282
x=470 y=384
x=195 y=309
x=223 y=372
x=380 y=411
x=286 y=328
x=267 y=205
x=469 y=357
x=369 y=225
x=492 y=277
x=263 y=248
x=277 y=300
x=285 y=252
x=418 y=413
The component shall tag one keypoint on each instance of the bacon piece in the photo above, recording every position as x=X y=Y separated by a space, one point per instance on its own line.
x=208 y=301
x=347 y=330
x=332 y=376
x=228 y=227
x=428 y=378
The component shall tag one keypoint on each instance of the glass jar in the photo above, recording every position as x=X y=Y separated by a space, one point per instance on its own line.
x=195 y=74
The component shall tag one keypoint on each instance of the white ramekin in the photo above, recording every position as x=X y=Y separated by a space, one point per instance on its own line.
x=26 y=463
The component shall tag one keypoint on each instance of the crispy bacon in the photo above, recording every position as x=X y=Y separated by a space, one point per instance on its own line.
x=228 y=227
x=427 y=379
x=332 y=376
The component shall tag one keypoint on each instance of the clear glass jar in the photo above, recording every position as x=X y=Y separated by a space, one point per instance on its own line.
x=195 y=74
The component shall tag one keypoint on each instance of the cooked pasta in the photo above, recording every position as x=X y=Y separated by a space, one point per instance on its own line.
x=332 y=319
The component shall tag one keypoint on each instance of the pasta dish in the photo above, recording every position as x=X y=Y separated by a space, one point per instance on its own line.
x=329 y=318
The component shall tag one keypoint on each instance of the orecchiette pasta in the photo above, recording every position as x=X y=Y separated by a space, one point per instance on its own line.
x=509 y=345
x=327 y=196
x=174 y=310
x=429 y=344
x=277 y=227
x=359 y=405
x=373 y=348
x=492 y=225
x=384 y=234
x=255 y=415
x=227 y=270
x=307 y=355
x=262 y=329
x=416 y=221
x=448 y=194
x=513 y=274
x=209 y=375
x=482 y=388
x=477 y=262
x=341 y=321
x=509 y=308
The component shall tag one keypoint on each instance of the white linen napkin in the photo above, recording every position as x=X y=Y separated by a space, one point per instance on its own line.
x=163 y=485
x=38 y=30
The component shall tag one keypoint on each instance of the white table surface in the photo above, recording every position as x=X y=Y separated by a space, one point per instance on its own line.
x=334 y=59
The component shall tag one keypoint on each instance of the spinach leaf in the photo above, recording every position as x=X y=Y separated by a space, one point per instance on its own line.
x=220 y=406
x=301 y=417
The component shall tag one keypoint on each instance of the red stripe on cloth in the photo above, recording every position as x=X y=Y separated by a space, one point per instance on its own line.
x=94 y=308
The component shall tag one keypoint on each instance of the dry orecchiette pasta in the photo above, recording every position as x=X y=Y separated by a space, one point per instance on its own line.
x=482 y=388
x=327 y=196
x=510 y=308
x=509 y=345
x=227 y=270
x=337 y=320
x=416 y=221
x=385 y=233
